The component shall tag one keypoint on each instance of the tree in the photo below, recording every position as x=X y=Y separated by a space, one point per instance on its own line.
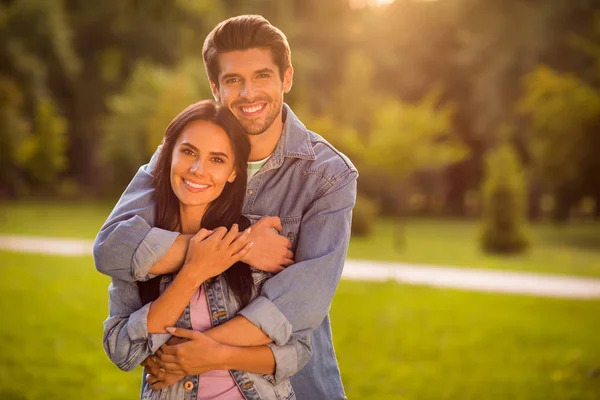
x=44 y=151
x=140 y=114
x=563 y=111
x=504 y=204
x=14 y=129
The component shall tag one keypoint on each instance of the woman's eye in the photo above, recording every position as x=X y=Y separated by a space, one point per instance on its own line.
x=188 y=152
x=217 y=160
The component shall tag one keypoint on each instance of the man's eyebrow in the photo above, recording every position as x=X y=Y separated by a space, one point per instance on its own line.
x=227 y=76
x=262 y=71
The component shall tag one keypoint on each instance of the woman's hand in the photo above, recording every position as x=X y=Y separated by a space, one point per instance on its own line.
x=197 y=355
x=212 y=252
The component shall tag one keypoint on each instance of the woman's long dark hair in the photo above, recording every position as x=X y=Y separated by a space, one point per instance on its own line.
x=224 y=210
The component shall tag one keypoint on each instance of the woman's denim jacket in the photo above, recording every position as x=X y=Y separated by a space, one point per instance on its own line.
x=127 y=341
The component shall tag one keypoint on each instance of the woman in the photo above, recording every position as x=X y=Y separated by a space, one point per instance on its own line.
x=200 y=182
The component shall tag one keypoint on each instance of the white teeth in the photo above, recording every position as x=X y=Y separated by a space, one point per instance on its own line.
x=252 y=109
x=195 y=185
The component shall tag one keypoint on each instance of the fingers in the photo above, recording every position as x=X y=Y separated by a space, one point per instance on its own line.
x=243 y=252
x=152 y=379
x=180 y=332
x=173 y=369
x=286 y=263
x=202 y=234
x=231 y=235
x=219 y=233
x=273 y=222
x=289 y=255
x=167 y=358
x=241 y=241
x=166 y=349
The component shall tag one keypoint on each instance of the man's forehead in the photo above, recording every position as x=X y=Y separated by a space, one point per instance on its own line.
x=246 y=61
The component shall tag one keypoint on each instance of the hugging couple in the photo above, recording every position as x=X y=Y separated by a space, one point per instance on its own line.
x=225 y=251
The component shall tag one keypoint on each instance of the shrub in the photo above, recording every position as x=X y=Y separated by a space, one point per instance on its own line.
x=363 y=216
x=504 y=215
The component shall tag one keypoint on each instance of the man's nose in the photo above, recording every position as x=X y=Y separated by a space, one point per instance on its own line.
x=248 y=90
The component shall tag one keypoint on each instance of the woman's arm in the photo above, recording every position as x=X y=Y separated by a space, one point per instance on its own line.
x=219 y=249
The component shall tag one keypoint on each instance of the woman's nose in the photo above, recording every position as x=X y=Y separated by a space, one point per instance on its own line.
x=197 y=168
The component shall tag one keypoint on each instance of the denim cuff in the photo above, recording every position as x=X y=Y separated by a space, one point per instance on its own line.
x=286 y=362
x=265 y=315
x=137 y=329
x=155 y=245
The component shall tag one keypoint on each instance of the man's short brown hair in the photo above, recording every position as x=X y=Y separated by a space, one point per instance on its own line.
x=242 y=33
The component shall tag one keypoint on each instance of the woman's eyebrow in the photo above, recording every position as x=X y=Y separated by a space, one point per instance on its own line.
x=188 y=144
x=218 y=153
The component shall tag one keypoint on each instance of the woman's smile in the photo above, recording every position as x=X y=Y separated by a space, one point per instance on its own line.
x=194 y=187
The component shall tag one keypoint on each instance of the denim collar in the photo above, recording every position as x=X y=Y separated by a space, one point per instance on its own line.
x=294 y=141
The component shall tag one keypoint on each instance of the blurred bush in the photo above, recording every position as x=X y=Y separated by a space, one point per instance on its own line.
x=364 y=216
x=44 y=152
x=504 y=216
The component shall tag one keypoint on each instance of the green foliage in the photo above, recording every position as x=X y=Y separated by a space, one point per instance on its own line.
x=140 y=114
x=408 y=137
x=14 y=129
x=364 y=216
x=355 y=98
x=504 y=218
x=44 y=152
x=562 y=109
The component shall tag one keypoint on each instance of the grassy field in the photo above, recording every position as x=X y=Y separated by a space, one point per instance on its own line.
x=572 y=249
x=392 y=341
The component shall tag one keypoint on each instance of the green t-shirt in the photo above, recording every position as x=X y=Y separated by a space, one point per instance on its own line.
x=255 y=166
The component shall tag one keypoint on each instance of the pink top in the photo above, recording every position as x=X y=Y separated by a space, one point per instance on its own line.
x=217 y=384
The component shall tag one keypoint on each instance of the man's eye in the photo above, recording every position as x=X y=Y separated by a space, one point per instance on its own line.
x=263 y=75
x=232 y=80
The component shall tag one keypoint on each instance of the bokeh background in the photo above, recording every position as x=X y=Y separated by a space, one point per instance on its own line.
x=474 y=125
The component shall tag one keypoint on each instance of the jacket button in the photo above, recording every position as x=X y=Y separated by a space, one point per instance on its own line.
x=250 y=191
x=189 y=385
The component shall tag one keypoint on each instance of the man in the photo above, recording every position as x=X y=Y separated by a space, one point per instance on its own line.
x=297 y=176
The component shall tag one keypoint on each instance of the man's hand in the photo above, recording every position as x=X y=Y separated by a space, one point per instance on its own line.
x=159 y=379
x=197 y=355
x=156 y=377
x=271 y=251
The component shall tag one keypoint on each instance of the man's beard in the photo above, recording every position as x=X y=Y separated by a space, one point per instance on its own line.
x=255 y=128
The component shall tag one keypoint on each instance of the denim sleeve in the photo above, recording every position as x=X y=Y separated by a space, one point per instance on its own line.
x=127 y=245
x=126 y=339
x=292 y=357
x=299 y=297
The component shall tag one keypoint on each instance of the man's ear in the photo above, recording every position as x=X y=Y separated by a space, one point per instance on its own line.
x=215 y=91
x=231 y=177
x=288 y=78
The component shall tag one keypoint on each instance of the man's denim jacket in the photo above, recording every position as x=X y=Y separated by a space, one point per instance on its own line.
x=312 y=188
x=127 y=341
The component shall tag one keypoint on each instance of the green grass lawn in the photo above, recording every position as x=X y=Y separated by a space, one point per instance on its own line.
x=392 y=341
x=572 y=249
x=69 y=219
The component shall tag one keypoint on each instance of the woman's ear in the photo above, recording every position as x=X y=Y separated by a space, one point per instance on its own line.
x=231 y=177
